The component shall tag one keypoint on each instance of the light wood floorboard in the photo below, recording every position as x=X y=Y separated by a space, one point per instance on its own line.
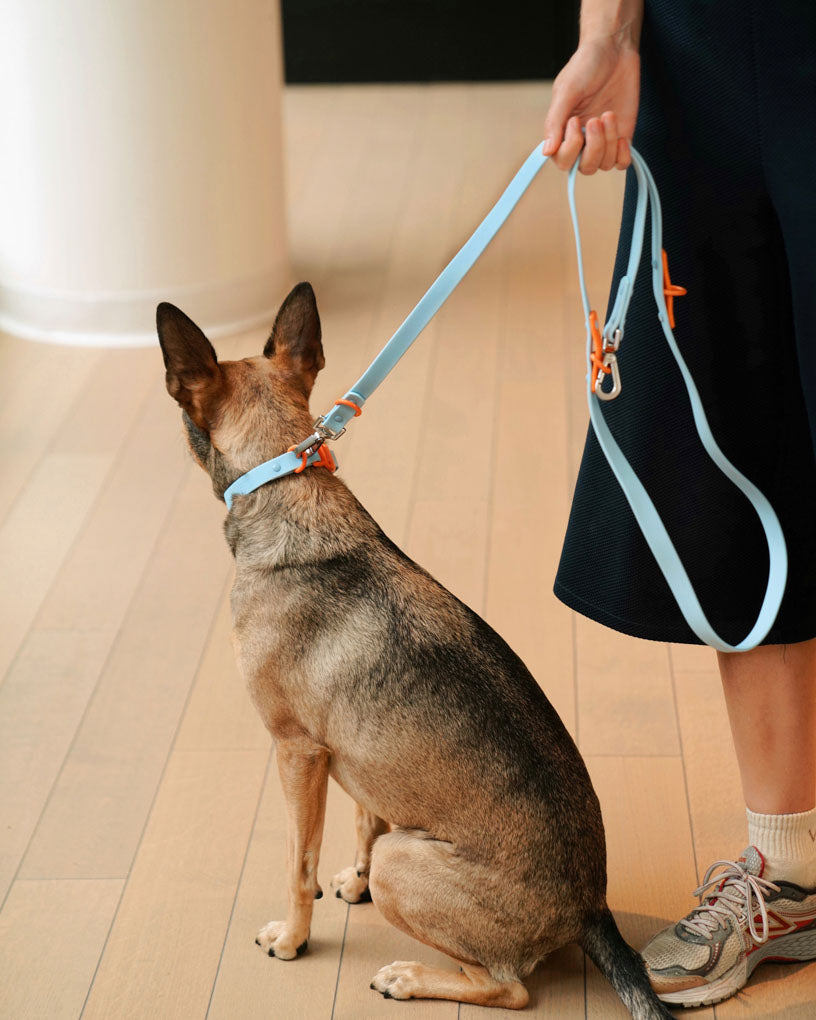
x=165 y=942
x=37 y=535
x=27 y=421
x=96 y=813
x=143 y=837
x=53 y=932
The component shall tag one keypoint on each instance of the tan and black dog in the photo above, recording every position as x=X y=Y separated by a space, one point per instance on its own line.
x=478 y=831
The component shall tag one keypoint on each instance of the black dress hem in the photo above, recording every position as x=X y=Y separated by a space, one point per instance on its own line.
x=654 y=633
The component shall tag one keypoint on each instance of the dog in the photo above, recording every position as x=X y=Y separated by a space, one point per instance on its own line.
x=478 y=830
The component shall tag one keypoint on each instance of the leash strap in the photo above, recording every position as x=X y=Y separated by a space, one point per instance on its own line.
x=438 y=293
x=332 y=425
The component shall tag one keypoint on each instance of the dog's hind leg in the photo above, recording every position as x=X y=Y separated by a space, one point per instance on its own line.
x=304 y=774
x=351 y=884
x=406 y=979
x=422 y=886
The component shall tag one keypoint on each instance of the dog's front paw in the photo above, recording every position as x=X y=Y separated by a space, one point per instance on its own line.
x=351 y=885
x=399 y=980
x=276 y=940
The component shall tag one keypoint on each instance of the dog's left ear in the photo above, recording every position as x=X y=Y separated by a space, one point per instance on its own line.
x=193 y=375
x=296 y=334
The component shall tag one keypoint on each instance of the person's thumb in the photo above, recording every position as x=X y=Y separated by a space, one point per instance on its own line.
x=556 y=119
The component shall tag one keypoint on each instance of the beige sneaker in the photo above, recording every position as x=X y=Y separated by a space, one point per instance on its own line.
x=742 y=921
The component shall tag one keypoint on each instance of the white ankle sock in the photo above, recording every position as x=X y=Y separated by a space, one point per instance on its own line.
x=788 y=844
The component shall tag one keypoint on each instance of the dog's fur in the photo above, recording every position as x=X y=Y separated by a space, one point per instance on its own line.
x=478 y=829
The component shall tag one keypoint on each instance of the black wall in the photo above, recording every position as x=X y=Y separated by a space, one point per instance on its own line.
x=426 y=40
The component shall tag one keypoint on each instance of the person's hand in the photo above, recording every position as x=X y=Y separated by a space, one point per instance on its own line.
x=598 y=89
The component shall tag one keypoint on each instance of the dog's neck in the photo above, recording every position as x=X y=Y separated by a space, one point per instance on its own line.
x=298 y=520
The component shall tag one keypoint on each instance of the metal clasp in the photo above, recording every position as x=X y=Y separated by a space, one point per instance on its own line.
x=604 y=359
x=309 y=445
x=610 y=362
x=323 y=431
x=312 y=444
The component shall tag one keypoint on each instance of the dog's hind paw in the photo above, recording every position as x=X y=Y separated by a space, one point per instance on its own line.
x=351 y=886
x=276 y=940
x=399 y=980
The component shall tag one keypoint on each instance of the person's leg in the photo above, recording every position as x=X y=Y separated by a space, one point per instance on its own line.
x=770 y=693
x=763 y=905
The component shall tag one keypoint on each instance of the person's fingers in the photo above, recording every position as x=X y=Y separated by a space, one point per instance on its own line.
x=593 y=147
x=609 y=122
x=624 y=154
x=571 y=146
x=602 y=148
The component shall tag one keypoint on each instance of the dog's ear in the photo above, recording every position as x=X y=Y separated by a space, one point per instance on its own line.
x=296 y=334
x=193 y=376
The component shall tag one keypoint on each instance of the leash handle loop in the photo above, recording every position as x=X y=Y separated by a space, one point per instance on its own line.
x=649 y=520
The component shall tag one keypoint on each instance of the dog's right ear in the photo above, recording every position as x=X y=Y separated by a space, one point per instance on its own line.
x=193 y=376
x=296 y=335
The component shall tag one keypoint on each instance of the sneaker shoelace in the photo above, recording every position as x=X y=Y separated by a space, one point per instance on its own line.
x=739 y=896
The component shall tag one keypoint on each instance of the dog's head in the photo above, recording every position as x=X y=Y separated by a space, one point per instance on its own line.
x=238 y=414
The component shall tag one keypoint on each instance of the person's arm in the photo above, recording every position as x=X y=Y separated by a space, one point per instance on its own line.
x=598 y=89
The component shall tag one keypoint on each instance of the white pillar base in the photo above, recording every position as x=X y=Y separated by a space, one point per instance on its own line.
x=129 y=320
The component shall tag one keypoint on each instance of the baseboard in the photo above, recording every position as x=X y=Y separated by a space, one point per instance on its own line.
x=128 y=319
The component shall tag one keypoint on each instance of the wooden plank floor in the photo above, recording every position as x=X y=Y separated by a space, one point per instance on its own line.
x=142 y=842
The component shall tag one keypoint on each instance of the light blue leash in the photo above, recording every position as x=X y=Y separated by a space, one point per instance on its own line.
x=332 y=425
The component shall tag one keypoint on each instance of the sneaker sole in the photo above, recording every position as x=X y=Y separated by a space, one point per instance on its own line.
x=797 y=948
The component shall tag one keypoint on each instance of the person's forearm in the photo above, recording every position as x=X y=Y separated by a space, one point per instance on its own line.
x=611 y=19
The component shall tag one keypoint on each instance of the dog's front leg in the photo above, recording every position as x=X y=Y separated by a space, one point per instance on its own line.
x=304 y=774
x=351 y=884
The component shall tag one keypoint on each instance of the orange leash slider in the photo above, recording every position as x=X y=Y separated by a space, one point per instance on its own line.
x=670 y=290
x=350 y=403
x=597 y=355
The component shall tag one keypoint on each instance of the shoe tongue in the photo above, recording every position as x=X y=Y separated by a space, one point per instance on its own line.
x=752 y=860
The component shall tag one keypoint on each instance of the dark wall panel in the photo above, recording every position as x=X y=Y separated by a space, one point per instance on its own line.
x=426 y=40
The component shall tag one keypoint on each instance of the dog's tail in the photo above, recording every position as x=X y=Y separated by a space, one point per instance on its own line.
x=624 y=968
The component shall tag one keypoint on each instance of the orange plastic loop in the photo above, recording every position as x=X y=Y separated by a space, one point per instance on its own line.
x=350 y=403
x=304 y=460
x=326 y=459
x=324 y=453
x=670 y=290
x=596 y=356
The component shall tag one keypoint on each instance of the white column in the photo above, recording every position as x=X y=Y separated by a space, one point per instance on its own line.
x=141 y=162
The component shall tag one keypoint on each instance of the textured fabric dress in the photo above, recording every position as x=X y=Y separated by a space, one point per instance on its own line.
x=727 y=124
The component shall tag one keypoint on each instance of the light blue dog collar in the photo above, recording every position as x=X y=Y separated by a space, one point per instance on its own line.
x=288 y=463
x=332 y=425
